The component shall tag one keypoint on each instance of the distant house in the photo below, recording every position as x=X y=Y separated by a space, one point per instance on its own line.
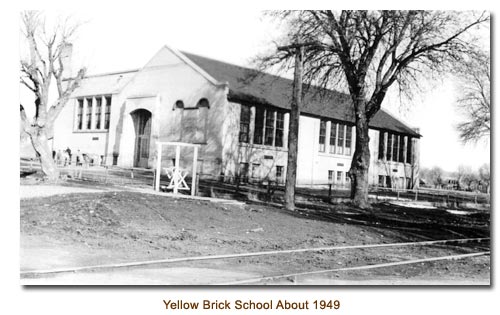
x=239 y=116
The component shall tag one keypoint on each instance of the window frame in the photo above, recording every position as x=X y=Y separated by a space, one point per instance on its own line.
x=322 y=135
x=245 y=120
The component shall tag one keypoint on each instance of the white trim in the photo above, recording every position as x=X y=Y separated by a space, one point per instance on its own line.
x=194 y=66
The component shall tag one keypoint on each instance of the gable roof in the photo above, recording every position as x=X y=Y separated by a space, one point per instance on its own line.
x=249 y=85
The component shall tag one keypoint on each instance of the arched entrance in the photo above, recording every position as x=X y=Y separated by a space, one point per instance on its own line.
x=142 y=126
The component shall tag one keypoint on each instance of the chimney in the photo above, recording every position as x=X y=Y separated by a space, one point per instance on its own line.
x=66 y=54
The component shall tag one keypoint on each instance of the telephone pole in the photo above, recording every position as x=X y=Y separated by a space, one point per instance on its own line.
x=293 y=129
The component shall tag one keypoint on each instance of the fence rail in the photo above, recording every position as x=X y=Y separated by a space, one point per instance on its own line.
x=269 y=188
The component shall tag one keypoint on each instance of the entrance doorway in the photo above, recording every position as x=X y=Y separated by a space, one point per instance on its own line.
x=142 y=125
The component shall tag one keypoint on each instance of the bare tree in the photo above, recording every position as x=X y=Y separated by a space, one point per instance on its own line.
x=45 y=61
x=469 y=177
x=465 y=176
x=435 y=176
x=474 y=99
x=370 y=51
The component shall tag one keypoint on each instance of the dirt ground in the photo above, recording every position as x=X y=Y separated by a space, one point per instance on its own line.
x=105 y=226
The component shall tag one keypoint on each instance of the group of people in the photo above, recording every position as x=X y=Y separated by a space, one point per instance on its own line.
x=65 y=157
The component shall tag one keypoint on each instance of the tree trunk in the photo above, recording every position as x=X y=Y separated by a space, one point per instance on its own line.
x=293 y=133
x=40 y=143
x=360 y=163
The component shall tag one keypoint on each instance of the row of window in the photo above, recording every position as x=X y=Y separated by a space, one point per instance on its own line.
x=90 y=113
x=389 y=182
x=268 y=126
x=245 y=174
x=338 y=177
x=393 y=147
x=339 y=140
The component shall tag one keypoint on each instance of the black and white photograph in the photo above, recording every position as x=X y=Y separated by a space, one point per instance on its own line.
x=254 y=148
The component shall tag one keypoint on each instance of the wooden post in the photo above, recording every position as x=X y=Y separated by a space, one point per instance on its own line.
x=195 y=169
x=293 y=130
x=158 y=167
x=176 y=167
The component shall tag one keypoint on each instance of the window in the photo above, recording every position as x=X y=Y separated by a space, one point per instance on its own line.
x=339 y=177
x=89 y=113
x=259 y=125
x=389 y=147
x=179 y=104
x=340 y=139
x=279 y=172
x=330 y=176
x=333 y=137
x=98 y=108
x=107 y=113
x=388 y=182
x=347 y=178
x=255 y=170
x=381 y=179
x=340 y=142
x=79 y=118
x=348 y=140
x=269 y=126
x=408 y=183
x=395 y=148
x=322 y=135
x=409 y=151
x=244 y=172
x=244 y=123
x=381 y=146
x=280 y=123
x=401 y=149
x=269 y=130
x=203 y=103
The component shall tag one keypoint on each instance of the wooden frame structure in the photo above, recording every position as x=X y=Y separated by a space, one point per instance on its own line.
x=177 y=177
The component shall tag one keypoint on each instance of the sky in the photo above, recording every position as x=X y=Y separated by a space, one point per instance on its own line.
x=113 y=42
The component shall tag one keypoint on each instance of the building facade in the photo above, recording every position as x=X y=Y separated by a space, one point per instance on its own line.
x=238 y=116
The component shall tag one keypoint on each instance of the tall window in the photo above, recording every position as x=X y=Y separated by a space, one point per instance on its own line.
x=395 y=148
x=322 y=135
x=409 y=151
x=98 y=109
x=401 y=149
x=389 y=147
x=340 y=139
x=340 y=142
x=381 y=145
x=259 y=125
x=107 y=113
x=89 y=113
x=244 y=123
x=269 y=134
x=280 y=123
x=333 y=137
x=348 y=140
x=79 y=118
